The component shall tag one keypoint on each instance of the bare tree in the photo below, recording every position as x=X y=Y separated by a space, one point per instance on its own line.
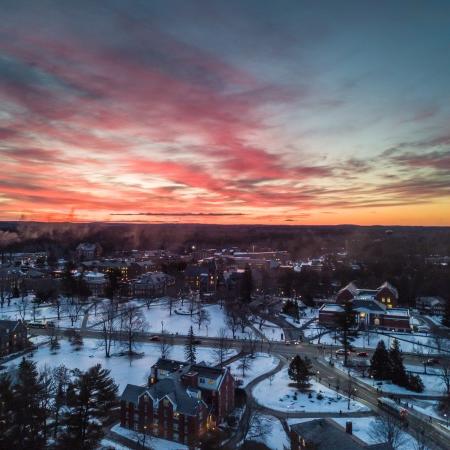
x=223 y=350
x=251 y=344
x=258 y=427
x=245 y=363
x=165 y=345
x=387 y=429
x=73 y=309
x=233 y=321
x=202 y=317
x=132 y=323
x=22 y=306
x=109 y=324
x=170 y=303
x=444 y=374
x=349 y=389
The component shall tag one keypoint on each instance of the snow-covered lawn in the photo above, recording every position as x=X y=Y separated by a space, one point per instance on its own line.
x=309 y=313
x=286 y=398
x=261 y=363
x=106 y=443
x=271 y=331
x=273 y=435
x=124 y=370
x=151 y=442
x=433 y=384
x=409 y=342
x=159 y=319
x=30 y=311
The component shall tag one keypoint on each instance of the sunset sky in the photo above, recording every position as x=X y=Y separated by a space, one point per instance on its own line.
x=282 y=112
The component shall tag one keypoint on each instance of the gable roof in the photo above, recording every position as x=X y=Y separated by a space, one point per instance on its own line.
x=326 y=435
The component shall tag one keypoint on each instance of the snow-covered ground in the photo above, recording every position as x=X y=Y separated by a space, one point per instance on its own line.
x=282 y=396
x=433 y=383
x=260 y=364
x=308 y=314
x=273 y=435
x=26 y=309
x=409 y=342
x=151 y=442
x=272 y=332
x=107 y=443
x=124 y=370
x=159 y=319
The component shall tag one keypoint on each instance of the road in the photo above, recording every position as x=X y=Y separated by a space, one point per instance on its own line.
x=328 y=375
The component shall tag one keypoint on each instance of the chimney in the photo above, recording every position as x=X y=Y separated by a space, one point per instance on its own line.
x=190 y=379
x=349 y=427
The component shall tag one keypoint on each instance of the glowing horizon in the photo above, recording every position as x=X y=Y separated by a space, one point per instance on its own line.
x=225 y=112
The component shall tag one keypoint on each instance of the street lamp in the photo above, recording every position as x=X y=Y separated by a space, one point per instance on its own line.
x=162 y=326
x=373 y=381
x=446 y=418
x=318 y=373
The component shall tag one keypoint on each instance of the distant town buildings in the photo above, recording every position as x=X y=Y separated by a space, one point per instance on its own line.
x=432 y=306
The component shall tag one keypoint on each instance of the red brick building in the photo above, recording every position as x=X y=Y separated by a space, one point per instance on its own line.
x=13 y=336
x=374 y=308
x=181 y=403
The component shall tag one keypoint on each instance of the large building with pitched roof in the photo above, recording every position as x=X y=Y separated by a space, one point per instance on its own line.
x=181 y=402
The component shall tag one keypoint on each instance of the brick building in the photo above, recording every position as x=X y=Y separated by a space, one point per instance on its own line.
x=181 y=403
x=13 y=336
x=385 y=294
x=373 y=308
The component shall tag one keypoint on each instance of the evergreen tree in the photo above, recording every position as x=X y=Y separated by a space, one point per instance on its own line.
x=6 y=412
x=398 y=372
x=190 y=350
x=29 y=415
x=415 y=383
x=300 y=371
x=380 y=365
x=446 y=318
x=90 y=399
x=347 y=333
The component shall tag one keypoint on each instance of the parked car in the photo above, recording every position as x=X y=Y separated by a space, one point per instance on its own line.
x=197 y=342
x=341 y=352
x=363 y=354
x=155 y=338
x=432 y=361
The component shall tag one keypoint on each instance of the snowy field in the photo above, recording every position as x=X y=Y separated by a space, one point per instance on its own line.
x=433 y=383
x=259 y=365
x=124 y=370
x=107 y=444
x=27 y=310
x=151 y=442
x=409 y=342
x=282 y=397
x=159 y=319
x=309 y=313
x=271 y=331
x=273 y=435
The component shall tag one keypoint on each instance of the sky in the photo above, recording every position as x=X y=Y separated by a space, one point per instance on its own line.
x=271 y=112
